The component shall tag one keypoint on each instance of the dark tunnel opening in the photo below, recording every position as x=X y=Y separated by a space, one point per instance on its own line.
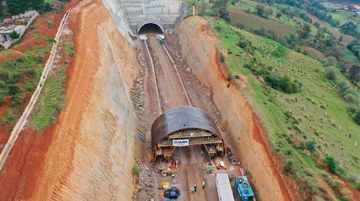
x=150 y=28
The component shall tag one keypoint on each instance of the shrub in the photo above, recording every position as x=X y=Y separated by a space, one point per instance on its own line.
x=135 y=170
x=289 y=167
x=279 y=51
x=311 y=146
x=30 y=73
x=242 y=44
x=69 y=49
x=229 y=77
x=221 y=57
x=351 y=99
x=30 y=87
x=14 y=35
x=331 y=164
x=331 y=73
x=1 y=100
x=13 y=90
x=39 y=58
x=15 y=100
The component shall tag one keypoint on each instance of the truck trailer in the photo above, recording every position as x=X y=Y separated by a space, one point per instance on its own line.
x=223 y=187
x=244 y=189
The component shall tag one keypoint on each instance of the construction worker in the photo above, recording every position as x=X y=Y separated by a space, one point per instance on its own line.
x=195 y=187
x=203 y=184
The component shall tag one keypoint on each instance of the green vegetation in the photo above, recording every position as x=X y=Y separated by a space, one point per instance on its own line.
x=50 y=101
x=136 y=170
x=312 y=120
x=14 y=35
x=13 y=72
x=15 y=7
x=69 y=49
x=331 y=163
x=260 y=25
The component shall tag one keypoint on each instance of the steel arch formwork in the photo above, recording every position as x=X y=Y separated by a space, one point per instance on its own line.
x=185 y=126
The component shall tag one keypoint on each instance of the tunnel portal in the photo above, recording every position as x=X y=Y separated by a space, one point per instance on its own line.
x=150 y=27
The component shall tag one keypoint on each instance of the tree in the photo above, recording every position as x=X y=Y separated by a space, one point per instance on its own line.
x=289 y=167
x=19 y=6
x=219 y=9
x=357 y=117
x=311 y=146
x=331 y=73
x=331 y=164
x=260 y=10
x=202 y=8
x=221 y=57
x=15 y=6
x=354 y=74
x=2 y=100
x=305 y=31
x=13 y=89
x=286 y=85
x=349 y=28
x=14 y=35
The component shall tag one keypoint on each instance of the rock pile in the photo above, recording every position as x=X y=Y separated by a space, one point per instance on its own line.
x=147 y=183
x=137 y=92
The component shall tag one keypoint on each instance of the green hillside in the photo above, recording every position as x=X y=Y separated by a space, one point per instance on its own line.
x=312 y=122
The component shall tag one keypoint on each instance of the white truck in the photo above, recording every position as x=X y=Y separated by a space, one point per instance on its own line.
x=223 y=187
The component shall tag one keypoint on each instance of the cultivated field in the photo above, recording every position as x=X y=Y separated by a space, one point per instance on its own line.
x=253 y=22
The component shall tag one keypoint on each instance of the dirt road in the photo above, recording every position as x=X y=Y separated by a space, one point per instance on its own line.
x=171 y=93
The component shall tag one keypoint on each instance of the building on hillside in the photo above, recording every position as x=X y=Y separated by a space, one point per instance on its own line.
x=10 y=25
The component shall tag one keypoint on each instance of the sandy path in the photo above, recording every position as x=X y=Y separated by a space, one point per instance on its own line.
x=170 y=90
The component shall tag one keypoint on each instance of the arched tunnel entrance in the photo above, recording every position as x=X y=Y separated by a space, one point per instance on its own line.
x=150 y=28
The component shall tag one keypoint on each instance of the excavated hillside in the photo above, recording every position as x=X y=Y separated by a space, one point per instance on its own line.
x=89 y=153
x=198 y=44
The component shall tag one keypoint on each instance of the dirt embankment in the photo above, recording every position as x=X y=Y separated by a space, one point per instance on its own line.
x=89 y=153
x=244 y=134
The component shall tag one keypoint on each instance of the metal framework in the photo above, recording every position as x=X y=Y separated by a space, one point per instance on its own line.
x=185 y=126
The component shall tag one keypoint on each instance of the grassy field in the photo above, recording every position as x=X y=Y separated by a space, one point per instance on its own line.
x=251 y=22
x=317 y=113
x=345 y=16
x=50 y=100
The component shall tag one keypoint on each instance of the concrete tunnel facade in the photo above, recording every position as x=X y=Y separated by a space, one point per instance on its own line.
x=150 y=26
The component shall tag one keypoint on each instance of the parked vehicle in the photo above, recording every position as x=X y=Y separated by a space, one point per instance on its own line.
x=244 y=189
x=223 y=187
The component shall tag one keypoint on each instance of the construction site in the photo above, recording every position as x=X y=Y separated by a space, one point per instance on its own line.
x=151 y=111
x=187 y=144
